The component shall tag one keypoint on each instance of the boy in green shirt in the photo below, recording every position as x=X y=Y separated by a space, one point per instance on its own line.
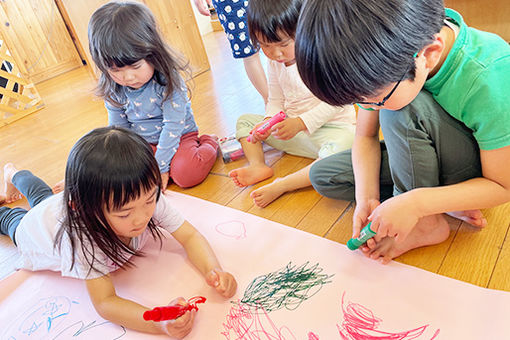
x=440 y=92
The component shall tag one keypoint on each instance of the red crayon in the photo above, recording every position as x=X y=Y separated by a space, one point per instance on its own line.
x=280 y=116
x=172 y=312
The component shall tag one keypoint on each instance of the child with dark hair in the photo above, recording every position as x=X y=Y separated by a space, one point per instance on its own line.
x=312 y=128
x=439 y=90
x=144 y=91
x=111 y=206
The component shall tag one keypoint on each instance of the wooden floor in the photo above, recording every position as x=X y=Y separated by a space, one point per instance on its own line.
x=41 y=141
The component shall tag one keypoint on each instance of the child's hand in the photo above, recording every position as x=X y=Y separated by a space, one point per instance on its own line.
x=258 y=137
x=396 y=217
x=288 y=128
x=165 y=176
x=181 y=326
x=361 y=213
x=202 y=8
x=223 y=282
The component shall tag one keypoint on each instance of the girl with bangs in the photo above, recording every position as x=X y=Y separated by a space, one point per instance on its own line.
x=144 y=92
x=111 y=206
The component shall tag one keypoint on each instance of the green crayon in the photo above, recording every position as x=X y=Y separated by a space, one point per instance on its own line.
x=364 y=235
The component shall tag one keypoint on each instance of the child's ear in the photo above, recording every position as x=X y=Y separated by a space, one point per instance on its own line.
x=433 y=51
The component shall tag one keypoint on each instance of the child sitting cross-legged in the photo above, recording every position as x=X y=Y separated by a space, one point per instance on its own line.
x=312 y=128
x=439 y=91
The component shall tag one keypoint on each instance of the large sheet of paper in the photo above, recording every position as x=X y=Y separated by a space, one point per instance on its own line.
x=292 y=285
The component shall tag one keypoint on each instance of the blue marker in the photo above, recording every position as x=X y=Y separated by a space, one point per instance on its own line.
x=364 y=235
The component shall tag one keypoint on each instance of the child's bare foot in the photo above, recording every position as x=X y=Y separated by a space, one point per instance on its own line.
x=59 y=187
x=251 y=174
x=268 y=193
x=473 y=217
x=430 y=230
x=11 y=193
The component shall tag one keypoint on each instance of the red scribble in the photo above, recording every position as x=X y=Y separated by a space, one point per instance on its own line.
x=252 y=323
x=312 y=336
x=233 y=229
x=360 y=324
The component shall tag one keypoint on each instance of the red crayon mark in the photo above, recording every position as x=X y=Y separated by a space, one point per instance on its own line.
x=233 y=229
x=252 y=323
x=173 y=311
x=361 y=324
x=312 y=336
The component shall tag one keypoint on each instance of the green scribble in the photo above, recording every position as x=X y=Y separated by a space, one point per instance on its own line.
x=287 y=287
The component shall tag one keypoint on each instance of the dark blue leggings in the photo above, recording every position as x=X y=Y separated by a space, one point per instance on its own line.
x=34 y=189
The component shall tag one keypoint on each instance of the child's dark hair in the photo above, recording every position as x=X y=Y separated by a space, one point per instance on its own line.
x=269 y=18
x=106 y=168
x=351 y=49
x=122 y=33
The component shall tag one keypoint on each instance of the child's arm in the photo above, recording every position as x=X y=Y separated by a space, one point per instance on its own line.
x=174 y=110
x=398 y=215
x=275 y=95
x=117 y=116
x=322 y=113
x=130 y=314
x=288 y=128
x=477 y=193
x=202 y=8
x=366 y=161
x=203 y=258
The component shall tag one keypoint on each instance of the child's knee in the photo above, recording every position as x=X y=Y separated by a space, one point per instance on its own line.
x=188 y=179
x=245 y=124
x=191 y=171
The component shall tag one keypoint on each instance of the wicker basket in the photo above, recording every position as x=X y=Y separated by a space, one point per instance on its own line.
x=19 y=96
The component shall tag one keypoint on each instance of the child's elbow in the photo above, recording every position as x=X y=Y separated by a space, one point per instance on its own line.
x=102 y=309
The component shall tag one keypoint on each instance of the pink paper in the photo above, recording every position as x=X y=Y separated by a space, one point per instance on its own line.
x=292 y=285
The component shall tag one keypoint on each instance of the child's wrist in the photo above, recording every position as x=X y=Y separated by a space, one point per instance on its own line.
x=302 y=124
x=414 y=198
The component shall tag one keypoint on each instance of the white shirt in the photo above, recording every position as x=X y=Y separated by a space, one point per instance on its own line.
x=36 y=233
x=289 y=94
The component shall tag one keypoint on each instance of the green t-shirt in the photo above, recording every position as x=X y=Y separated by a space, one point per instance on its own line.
x=473 y=84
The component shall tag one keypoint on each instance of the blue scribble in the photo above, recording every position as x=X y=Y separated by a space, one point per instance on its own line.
x=51 y=318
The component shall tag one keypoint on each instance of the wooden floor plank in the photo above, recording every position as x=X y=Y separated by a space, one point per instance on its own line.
x=474 y=252
x=320 y=219
x=500 y=278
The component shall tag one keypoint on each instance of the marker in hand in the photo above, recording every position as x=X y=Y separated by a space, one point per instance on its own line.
x=280 y=116
x=364 y=235
x=172 y=312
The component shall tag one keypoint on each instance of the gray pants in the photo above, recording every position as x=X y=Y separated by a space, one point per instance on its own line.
x=423 y=147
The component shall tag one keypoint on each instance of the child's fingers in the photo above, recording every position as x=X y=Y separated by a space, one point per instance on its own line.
x=227 y=286
x=356 y=227
x=278 y=126
x=231 y=289
x=184 y=320
x=222 y=285
x=181 y=326
x=202 y=8
x=212 y=278
x=178 y=301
